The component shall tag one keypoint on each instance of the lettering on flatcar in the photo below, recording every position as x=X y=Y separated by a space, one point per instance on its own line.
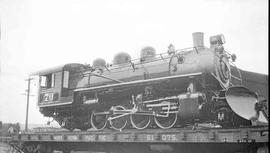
x=24 y=137
x=246 y=140
x=58 y=137
x=168 y=137
x=124 y=137
x=46 y=137
x=35 y=137
x=89 y=137
x=72 y=137
x=150 y=137
x=102 y=137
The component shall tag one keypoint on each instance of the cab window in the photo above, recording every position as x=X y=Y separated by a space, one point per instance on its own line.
x=65 y=79
x=47 y=81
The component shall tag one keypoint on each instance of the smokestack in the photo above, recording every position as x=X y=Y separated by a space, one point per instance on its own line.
x=198 y=39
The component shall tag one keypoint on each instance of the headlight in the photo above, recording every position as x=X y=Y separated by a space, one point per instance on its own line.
x=217 y=39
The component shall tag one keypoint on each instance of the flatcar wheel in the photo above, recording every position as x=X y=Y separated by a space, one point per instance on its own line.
x=166 y=122
x=118 y=123
x=98 y=121
x=140 y=121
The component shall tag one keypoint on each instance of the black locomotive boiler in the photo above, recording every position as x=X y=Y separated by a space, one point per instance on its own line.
x=172 y=89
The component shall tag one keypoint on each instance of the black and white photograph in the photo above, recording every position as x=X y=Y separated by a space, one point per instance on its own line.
x=134 y=76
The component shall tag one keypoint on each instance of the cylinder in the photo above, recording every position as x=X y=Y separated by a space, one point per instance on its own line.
x=198 y=39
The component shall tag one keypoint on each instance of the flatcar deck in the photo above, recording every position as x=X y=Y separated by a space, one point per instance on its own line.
x=244 y=139
x=177 y=135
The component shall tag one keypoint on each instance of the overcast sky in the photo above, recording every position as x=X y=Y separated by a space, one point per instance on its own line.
x=37 y=34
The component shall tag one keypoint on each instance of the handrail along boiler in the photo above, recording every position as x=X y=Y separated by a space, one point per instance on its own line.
x=180 y=87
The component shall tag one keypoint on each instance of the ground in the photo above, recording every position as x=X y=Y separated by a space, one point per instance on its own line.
x=4 y=148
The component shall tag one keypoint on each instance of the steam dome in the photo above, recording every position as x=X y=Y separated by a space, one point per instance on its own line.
x=147 y=53
x=121 y=58
x=99 y=62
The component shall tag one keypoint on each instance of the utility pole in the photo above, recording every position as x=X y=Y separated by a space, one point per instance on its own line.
x=27 y=105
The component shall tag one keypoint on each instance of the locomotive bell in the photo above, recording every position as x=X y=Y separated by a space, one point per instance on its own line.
x=121 y=58
x=198 y=39
x=99 y=62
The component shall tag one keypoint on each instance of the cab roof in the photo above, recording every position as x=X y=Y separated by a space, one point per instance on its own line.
x=66 y=67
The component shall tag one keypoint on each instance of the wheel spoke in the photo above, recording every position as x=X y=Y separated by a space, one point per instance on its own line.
x=98 y=121
x=166 y=122
x=118 y=123
x=140 y=121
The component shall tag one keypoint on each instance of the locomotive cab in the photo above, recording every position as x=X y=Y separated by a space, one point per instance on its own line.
x=55 y=87
x=51 y=88
x=55 y=93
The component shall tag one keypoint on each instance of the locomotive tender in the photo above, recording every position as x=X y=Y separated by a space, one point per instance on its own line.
x=173 y=89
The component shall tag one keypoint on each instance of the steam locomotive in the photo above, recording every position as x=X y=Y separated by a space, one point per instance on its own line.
x=172 y=89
